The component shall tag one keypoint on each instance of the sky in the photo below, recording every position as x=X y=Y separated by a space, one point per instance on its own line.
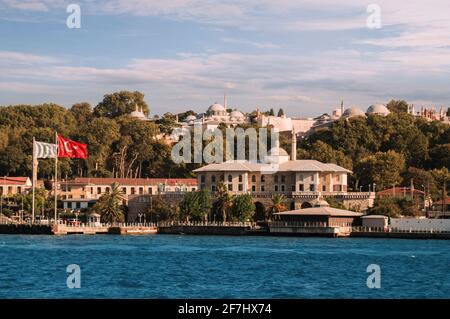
x=304 y=56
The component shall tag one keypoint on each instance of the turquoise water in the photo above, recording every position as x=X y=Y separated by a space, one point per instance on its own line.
x=170 y=266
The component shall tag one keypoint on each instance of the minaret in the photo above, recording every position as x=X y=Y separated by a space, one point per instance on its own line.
x=225 y=101
x=342 y=108
x=293 y=146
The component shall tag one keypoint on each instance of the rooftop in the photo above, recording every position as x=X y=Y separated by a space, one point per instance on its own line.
x=132 y=181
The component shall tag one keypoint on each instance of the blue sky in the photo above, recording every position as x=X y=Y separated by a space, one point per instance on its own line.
x=302 y=55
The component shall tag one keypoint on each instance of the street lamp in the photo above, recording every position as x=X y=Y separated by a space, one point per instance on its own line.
x=140 y=216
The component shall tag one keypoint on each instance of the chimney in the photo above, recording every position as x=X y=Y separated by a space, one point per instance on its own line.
x=293 y=146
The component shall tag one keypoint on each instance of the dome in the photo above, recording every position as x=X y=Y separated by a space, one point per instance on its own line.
x=236 y=114
x=352 y=112
x=319 y=202
x=190 y=118
x=378 y=109
x=216 y=107
x=137 y=114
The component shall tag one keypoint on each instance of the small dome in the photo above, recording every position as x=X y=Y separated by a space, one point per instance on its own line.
x=319 y=202
x=352 y=112
x=137 y=115
x=378 y=109
x=190 y=118
x=236 y=114
x=216 y=107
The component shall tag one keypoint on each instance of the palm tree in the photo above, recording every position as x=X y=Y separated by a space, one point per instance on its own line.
x=277 y=206
x=109 y=205
x=224 y=200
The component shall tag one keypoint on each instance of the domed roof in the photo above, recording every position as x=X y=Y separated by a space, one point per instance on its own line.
x=216 y=107
x=137 y=114
x=379 y=109
x=236 y=114
x=352 y=112
x=319 y=202
x=190 y=118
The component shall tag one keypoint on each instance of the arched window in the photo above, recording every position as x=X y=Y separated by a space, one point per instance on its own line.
x=263 y=178
x=254 y=178
x=230 y=178
x=240 y=178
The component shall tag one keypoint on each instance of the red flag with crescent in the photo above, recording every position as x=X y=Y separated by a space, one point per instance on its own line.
x=72 y=149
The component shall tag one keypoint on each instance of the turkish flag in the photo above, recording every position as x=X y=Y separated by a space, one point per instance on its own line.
x=72 y=149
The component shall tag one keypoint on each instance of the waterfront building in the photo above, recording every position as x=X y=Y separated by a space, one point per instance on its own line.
x=319 y=220
x=83 y=192
x=300 y=181
x=11 y=186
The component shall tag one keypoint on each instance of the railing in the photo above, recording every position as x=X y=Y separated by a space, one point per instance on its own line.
x=388 y=229
x=106 y=225
x=207 y=224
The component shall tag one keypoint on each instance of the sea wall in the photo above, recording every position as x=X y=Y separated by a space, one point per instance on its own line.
x=26 y=229
x=420 y=224
x=205 y=230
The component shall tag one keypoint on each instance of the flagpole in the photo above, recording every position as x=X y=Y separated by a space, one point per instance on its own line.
x=34 y=181
x=56 y=179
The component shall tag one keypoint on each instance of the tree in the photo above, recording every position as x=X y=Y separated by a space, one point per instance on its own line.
x=243 y=207
x=224 y=201
x=82 y=112
x=397 y=106
x=278 y=205
x=160 y=210
x=386 y=206
x=109 y=205
x=121 y=103
x=196 y=205
x=383 y=169
x=271 y=112
x=280 y=113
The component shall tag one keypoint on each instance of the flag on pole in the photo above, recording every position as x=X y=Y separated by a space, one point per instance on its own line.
x=45 y=150
x=72 y=149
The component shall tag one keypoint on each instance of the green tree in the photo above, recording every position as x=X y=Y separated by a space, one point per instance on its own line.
x=383 y=169
x=109 y=205
x=196 y=205
x=224 y=201
x=278 y=205
x=397 y=106
x=121 y=103
x=160 y=210
x=243 y=208
x=280 y=112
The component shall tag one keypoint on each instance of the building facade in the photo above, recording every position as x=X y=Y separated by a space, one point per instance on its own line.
x=11 y=186
x=84 y=192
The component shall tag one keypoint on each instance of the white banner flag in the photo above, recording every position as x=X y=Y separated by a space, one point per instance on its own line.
x=45 y=150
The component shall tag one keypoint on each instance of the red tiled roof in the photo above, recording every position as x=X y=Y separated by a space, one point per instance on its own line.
x=399 y=191
x=13 y=180
x=134 y=181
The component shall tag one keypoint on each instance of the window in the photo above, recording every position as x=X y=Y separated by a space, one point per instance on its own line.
x=301 y=188
x=230 y=187
x=99 y=190
x=82 y=197
x=92 y=190
x=1 y=189
x=262 y=188
x=222 y=178
x=107 y=189
x=276 y=178
x=337 y=178
x=282 y=188
x=230 y=178
x=141 y=190
x=293 y=188
x=283 y=179
x=213 y=188
x=70 y=196
x=124 y=190
x=78 y=205
x=254 y=178
x=324 y=188
x=240 y=187
x=276 y=188
x=213 y=178
x=133 y=191
x=263 y=178
x=240 y=178
x=202 y=178
x=150 y=190
x=19 y=189
x=312 y=188
x=253 y=188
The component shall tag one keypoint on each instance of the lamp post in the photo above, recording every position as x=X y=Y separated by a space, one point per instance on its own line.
x=140 y=217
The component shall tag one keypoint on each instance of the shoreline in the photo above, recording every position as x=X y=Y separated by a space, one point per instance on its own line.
x=26 y=229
